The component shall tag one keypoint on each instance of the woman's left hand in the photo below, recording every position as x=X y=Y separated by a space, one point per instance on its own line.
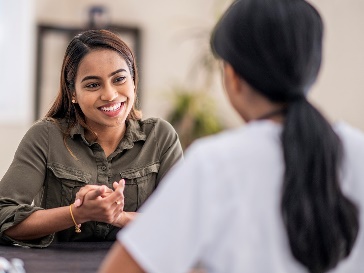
x=103 y=192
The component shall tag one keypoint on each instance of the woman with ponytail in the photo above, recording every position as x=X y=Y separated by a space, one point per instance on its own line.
x=281 y=194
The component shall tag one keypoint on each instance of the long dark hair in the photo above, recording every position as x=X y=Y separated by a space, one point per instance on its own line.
x=78 y=48
x=276 y=46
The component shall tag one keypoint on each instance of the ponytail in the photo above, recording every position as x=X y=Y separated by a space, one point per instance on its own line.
x=322 y=224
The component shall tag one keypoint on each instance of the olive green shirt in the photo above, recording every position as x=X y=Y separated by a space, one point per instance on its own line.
x=45 y=174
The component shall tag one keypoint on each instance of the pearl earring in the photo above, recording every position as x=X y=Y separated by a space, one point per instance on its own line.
x=73 y=101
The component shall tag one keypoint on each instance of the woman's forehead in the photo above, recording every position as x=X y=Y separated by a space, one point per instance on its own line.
x=102 y=60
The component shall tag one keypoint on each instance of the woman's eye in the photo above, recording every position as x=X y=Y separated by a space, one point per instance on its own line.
x=120 y=79
x=92 y=85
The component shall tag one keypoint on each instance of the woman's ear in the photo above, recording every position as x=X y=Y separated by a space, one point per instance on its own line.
x=235 y=82
x=74 y=98
x=232 y=81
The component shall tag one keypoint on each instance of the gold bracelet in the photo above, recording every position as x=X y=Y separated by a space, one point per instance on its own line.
x=77 y=227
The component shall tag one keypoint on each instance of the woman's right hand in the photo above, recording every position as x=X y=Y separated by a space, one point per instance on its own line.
x=99 y=203
x=103 y=191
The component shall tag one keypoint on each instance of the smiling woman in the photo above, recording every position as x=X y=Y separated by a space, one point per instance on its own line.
x=106 y=94
x=113 y=159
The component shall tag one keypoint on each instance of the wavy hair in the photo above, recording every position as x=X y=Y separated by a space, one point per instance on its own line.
x=78 y=48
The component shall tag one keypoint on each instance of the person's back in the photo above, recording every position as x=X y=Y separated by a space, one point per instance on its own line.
x=239 y=200
x=283 y=193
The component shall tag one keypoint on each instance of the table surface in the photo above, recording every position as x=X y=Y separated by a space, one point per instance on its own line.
x=70 y=257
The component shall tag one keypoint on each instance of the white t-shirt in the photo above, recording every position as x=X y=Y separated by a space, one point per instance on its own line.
x=221 y=206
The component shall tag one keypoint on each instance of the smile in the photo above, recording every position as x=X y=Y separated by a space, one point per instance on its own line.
x=112 y=108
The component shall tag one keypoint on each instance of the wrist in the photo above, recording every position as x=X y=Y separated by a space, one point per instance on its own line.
x=77 y=225
x=78 y=215
x=127 y=217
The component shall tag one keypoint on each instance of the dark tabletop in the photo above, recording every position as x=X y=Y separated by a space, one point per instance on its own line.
x=70 y=257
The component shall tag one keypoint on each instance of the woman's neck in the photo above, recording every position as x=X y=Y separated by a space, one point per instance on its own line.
x=108 y=138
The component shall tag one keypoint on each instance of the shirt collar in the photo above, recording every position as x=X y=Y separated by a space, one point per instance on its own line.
x=132 y=134
x=77 y=130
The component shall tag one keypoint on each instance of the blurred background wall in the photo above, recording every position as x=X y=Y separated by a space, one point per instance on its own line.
x=173 y=56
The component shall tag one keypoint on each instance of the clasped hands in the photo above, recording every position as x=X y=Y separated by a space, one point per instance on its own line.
x=101 y=204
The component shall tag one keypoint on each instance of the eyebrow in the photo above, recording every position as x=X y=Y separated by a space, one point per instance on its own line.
x=97 y=77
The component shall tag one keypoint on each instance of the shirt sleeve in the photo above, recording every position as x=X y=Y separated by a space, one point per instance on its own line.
x=170 y=232
x=169 y=147
x=23 y=181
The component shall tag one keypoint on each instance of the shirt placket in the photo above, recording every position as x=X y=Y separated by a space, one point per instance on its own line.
x=103 y=174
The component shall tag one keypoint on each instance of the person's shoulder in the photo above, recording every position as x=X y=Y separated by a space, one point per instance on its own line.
x=349 y=134
x=216 y=145
x=159 y=125
x=153 y=121
x=39 y=132
x=352 y=139
x=250 y=144
x=43 y=126
x=246 y=137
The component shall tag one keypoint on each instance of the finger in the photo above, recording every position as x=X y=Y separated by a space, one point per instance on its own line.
x=107 y=192
x=77 y=203
x=119 y=186
x=118 y=195
x=80 y=195
x=116 y=184
x=120 y=203
x=93 y=194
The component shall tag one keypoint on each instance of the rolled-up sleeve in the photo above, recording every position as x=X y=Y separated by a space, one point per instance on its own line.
x=23 y=182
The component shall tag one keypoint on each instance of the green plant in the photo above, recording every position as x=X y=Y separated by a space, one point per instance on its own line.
x=193 y=115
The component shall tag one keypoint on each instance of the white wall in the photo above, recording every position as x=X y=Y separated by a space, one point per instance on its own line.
x=339 y=91
x=168 y=54
x=16 y=75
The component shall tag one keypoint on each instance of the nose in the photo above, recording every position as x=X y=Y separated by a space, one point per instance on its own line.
x=109 y=93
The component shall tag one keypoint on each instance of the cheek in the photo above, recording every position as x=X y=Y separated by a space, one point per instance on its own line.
x=86 y=101
x=131 y=93
x=131 y=100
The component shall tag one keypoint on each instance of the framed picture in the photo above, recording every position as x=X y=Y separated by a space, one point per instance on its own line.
x=52 y=42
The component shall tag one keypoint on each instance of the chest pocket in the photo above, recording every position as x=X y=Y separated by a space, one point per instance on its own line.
x=139 y=185
x=64 y=183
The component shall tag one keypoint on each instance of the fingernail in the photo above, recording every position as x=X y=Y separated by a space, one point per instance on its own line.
x=77 y=203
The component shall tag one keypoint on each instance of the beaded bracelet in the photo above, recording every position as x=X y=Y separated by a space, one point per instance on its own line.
x=77 y=227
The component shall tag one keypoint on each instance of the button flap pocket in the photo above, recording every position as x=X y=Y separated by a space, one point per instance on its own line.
x=140 y=172
x=139 y=185
x=63 y=172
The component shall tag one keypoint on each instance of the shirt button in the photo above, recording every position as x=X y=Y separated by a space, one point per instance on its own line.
x=103 y=168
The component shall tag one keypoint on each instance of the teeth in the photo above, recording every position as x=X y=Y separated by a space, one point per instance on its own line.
x=111 y=108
